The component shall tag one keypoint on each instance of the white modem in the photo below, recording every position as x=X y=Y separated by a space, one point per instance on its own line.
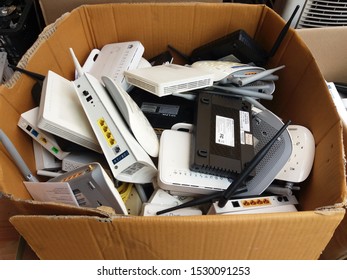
x=168 y=79
x=127 y=159
x=28 y=123
x=261 y=204
x=114 y=59
x=174 y=174
x=61 y=113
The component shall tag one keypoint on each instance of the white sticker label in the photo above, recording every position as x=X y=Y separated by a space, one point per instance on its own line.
x=225 y=134
x=244 y=121
x=248 y=139
x=245 y=138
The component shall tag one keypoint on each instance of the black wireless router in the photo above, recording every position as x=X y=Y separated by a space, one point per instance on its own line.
x=239 y=45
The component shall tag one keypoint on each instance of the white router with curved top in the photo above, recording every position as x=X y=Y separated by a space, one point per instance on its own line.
x=137 y=121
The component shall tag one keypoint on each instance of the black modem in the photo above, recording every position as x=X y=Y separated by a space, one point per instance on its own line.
x=222 y=138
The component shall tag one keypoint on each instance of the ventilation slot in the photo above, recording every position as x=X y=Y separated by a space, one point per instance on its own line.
x=323 y=14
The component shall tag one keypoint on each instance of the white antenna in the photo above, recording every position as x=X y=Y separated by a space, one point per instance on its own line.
x=17 y=158
x=78 y=66
x=258 y=76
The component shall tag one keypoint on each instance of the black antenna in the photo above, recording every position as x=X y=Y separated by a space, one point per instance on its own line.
x=36 y=76
x=230 y=191
x=283 y=33
x=37 y=88
x=236 y=184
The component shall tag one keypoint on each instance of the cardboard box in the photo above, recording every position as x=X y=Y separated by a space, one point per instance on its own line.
x=63 y=232
x=328 y=48
x=52 y=10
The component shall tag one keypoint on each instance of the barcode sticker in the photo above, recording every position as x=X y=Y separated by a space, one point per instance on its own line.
x=244 y=121
x=132 y=169
x=245 y=126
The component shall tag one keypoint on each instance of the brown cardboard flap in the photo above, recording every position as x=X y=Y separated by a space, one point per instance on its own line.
x=32 y=207
x=53 y=10
x=326 y=183
x=328 y=46
x=337 y=246
x=273 y=236
x=201 y=23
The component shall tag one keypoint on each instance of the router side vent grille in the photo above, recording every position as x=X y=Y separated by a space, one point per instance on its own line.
x=323 y=14
x=141 y=84
x=187 y=86
x=67 y=135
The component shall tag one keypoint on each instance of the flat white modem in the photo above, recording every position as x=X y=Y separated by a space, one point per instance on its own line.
x=28 y=123
x=168 y=79
x=61 y=113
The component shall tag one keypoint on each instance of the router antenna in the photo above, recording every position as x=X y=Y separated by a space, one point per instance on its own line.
x=283 y=33
x=76 y=63
x=36 y=76
x=17 y=158
x=239 y=181
x=252 y=78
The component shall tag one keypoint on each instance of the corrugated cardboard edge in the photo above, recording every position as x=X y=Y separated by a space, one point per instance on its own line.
x=337 y=246
x=184 y=238
x=52 y=10
x=32 y=207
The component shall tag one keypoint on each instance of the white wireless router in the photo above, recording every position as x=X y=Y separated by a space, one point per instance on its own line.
x=261 y=204
x=114 y=59
x=92 y=187
x=174 y=174
x=127 y=160
x=137 y=121
x=300 y=163
x=61 y=113
x=168 y=79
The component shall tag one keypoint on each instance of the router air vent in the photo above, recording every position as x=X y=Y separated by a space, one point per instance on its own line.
x=323 y=13
x=187 y=86
x=44 y=125
x=142 y=84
